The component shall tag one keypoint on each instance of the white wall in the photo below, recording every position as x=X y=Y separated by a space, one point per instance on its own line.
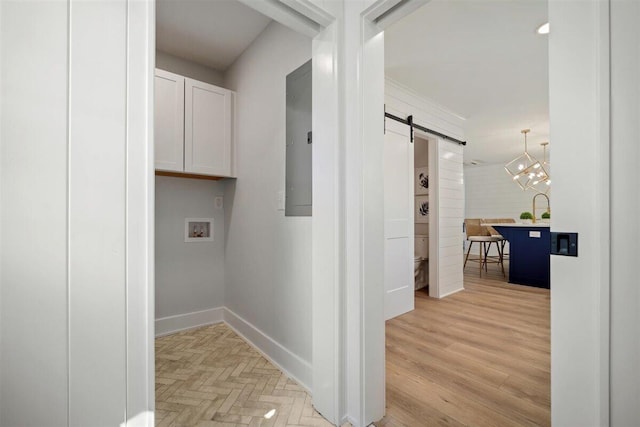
x=189 y=276
x=577 y=374
x=268 y=255
x=33 y=293
x=184 y=67
x=448 y=201
x=625 y=230
x=491 y=193
x=74 y=281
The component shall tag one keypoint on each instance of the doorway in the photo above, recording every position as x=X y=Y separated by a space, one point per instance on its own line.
x=245 y=261
x=456 y=330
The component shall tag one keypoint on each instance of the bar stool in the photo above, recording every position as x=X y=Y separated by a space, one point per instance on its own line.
x=476 y=233
x=500 y=221
x=501 y=241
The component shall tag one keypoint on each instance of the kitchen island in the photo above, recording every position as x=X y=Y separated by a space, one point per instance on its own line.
x=529 y=252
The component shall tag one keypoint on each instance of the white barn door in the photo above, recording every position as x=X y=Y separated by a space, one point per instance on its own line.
x=398 y=220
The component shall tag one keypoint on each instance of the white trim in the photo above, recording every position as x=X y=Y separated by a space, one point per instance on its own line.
x=297 y=368
x=151 y=215
x=327 y=233
x=311 y=11
x=141 y=419
x=451 y=293
x=181 y=322
x=286 y=16
x=386 y=12
x=434 y=222
x=603 y=202
x=140 y=215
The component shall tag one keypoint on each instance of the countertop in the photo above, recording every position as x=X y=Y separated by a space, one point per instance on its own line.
x=517 y=224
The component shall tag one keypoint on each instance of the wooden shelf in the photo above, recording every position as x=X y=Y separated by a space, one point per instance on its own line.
x=189 y=175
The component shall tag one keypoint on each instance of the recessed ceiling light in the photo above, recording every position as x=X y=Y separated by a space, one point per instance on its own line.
x=543 y=29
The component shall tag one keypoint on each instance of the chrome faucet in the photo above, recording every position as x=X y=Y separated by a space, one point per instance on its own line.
x=534 y=205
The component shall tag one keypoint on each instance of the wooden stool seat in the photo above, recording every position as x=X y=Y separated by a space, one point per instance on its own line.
x=477 y=233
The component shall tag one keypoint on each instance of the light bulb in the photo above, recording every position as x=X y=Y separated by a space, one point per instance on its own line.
x=549 y=182
x=520 y=166
x=516 y=177
x=536 y=166
x=531 y=175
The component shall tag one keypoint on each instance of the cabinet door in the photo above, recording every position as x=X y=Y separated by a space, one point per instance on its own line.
x=208 y=119
x=169 y=121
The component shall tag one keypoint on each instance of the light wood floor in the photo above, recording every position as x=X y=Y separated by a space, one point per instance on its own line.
x=209 y=377
x=476 y=358
x=480 y=357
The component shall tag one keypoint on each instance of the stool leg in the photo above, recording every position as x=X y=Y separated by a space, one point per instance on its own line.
x=486 y=259
x=467 y=257
x=480 y=255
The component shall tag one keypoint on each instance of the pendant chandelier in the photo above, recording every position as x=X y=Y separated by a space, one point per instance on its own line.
x=540 y=184
x=526 y=169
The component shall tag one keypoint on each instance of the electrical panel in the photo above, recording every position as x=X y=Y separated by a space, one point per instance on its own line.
x=299 y=139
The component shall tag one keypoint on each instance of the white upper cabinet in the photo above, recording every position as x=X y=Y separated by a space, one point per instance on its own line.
x=193 y=126
x=207 y=131
x=169 y=121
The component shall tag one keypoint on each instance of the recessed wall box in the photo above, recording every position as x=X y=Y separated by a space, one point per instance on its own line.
x=198 y=230
x=298 y=166
x=564 y=244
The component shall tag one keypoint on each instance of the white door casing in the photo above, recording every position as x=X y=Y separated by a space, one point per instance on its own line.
x=398 y=220
x=327 y=348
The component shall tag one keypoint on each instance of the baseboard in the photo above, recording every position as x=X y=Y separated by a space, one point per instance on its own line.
x=292 y=365
x=142 y=419
x=172 y=324
x=347 y=420
x=451 y=293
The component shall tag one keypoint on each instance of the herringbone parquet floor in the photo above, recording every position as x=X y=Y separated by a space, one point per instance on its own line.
x=209 y=376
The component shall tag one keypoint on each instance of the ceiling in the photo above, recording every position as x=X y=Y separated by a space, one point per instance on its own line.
x=483 y=60
x=209 y=32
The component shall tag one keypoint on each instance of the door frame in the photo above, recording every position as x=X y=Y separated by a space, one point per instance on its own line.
x=598 y=329
x=434 y=216
x=322 y=25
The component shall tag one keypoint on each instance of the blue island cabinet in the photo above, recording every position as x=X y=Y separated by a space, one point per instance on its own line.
x=529 y=253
